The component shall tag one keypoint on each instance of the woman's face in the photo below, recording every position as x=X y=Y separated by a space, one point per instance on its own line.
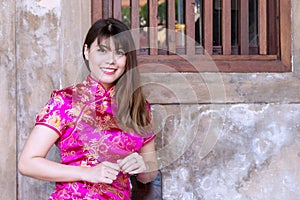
x=106 y=62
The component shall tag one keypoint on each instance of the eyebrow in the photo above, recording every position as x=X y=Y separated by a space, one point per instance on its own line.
x=104 y=46
x=108 y=48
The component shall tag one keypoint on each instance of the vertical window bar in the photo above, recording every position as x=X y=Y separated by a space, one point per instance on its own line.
x=244 y=27
x=180 y=27
x=217 y=27
x=135 y=22
x=272 y=27
x=190 y=26
x=285 y=32
x=180 y=17
x=262 y=26
x=117 y=14
x=171 y=26
x=253 y=27
x=96 y=10
x=208 y=26
x=199 y=22
x=107 y=9
x=162 y=26
x=234 y=26
x=152 y=10
x=226 y=27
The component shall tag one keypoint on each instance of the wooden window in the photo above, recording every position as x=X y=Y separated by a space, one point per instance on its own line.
x=239 y=35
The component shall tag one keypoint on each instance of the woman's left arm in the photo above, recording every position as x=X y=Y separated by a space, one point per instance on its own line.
x=149 y=156
x=144 y=163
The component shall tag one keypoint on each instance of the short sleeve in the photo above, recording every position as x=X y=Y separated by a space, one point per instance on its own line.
x=55 y=113
x=149 y=139
x=151 y=134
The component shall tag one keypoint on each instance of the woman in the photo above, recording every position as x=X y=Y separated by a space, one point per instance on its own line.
x=101 y=126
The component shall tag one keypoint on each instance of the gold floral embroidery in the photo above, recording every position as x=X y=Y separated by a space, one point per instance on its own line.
x=55 y=120
x=106 y=122
x=90 y=135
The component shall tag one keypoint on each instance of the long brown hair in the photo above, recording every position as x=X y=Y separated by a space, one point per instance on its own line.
x=132 y=111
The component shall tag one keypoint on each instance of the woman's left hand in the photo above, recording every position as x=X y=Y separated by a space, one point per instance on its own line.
x=132 y=164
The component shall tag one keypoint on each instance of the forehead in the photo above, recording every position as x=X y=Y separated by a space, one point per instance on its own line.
x=110 y=42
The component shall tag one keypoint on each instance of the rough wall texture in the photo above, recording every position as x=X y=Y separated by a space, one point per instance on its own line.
x=256 y=154
x=221 y=136
x=7 y=101
x=49 y=37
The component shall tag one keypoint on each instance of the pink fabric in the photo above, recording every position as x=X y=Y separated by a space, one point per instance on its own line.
x=83 y=118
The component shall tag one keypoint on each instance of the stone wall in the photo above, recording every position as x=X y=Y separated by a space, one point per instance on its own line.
x=40 y=51
x=220 y=136
x=229 y=136
x=8 y=102
x=255 y=152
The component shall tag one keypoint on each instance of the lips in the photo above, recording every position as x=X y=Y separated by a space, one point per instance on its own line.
x=108 y=71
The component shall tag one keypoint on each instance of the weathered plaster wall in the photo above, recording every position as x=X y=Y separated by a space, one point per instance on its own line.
x=50 y=36
x=252 y=121
x=221 y=136
x=255 y=154
x=7 y=101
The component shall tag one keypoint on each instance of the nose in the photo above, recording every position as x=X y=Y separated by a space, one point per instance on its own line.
x=111 y=58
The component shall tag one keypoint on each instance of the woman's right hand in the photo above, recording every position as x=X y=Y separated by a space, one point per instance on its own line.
x=105 y=172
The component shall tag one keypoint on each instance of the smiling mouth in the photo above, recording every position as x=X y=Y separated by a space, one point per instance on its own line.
x=108 y=70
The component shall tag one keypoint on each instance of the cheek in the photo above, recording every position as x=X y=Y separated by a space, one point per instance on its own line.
x=121 y=62
x=95 y=57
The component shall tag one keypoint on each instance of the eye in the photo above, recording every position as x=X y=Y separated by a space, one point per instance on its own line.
x=120 y=52
x=101 y=49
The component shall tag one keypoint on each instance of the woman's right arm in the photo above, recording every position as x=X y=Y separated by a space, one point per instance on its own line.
x=33 y=162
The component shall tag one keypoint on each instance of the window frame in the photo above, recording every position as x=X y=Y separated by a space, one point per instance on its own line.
x=281 y=62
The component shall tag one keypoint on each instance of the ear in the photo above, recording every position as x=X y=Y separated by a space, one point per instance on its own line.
x=86 y=52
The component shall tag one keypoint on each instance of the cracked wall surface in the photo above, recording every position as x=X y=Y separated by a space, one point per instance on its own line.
x=256 y=154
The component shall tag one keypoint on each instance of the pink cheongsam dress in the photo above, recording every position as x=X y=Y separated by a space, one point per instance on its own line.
x=82 y=116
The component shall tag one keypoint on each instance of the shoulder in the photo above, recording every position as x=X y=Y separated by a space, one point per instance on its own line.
x=59 y=99
x=69 y=94
x=63 y=94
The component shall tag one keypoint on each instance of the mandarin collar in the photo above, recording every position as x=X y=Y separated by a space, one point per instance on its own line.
x=98 y=89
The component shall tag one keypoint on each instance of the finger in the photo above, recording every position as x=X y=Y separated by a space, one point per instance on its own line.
x=112 y=172
x=109 y=172
x=107 y=180
x=122 y=162
x=130 y=165
x=138 y=165
x=111 y=175
x=127 y=159
x=141 y=167
x=130 y=168
x=111 y=165
x=135 y=172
